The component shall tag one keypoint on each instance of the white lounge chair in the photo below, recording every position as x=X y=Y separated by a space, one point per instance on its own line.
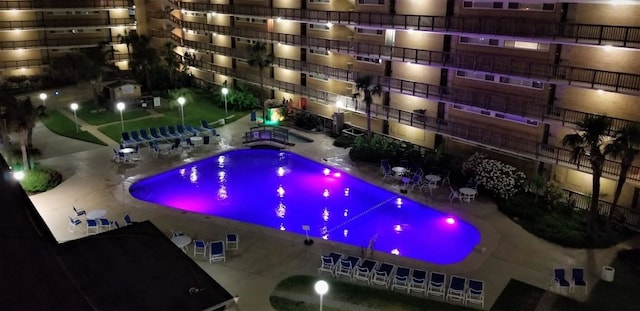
x=401 y=279
x=475 y=293
x=457 y=286
x=418 y=282
x=437 y=285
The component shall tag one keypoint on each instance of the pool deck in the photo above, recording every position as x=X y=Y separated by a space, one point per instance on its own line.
x=266 y=256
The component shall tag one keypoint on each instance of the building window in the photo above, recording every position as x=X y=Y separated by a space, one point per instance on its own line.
x=508 y=5
x=319 y=26
x=322 y=52
x=251 y=20
x=500 y=79
x=480 y=41
x=371 y=1
x=320 y=1
x=526 y=45
x=319 y=76
x=369 y=60
x=370 y=31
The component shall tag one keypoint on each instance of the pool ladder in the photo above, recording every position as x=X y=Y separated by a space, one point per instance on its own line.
x=360 y=215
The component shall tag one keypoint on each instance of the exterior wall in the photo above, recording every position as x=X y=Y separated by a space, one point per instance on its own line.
x=421 y=7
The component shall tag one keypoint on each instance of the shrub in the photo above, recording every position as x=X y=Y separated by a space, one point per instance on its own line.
x=40 y=180
x=307 y=121
x=343 y=141
x=502 y=179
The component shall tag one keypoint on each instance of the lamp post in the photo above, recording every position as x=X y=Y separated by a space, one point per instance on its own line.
x=120 y=107
x=321 y=288
x=181 y=101
x=74 y=107
x=225 y=91
x=43 y=96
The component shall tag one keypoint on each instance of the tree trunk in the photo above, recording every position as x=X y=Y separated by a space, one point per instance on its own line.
x=25 y=151
x=624 y=169
x=30 y=138
x=595 y=197
x=264 y=108
x=368 y=110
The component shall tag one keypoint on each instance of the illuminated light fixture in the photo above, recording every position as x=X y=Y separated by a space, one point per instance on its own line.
x=20 y=50
x=325 y=193
x=399 y=202
x=450 y=220
x=282 y=228
x=213 y=13
x=395 y=251
x=410 y=29
x=600 y=91
x=23 y=69
x=346 y=212
x=184 y=11
x=325 y=214
x=279 y=19
x=329 y=25
x=184 y=29
x=345 y=232
x=325 y=237
x=18 y=175
x=340 y=104
x=346 y=193
x=280 y=171
x=279 y=43
x=221 y=159
x=280 y=191
x=215 y=34
x=337 y=175
x=326 y=172
x=397 y=228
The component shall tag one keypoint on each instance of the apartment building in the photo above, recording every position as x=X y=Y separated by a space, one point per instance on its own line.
x=35 y=32
x=510 y=78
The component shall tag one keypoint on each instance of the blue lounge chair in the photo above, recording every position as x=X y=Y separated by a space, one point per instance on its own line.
x=145 y=136
x=136 y=137
x=475 y=293
x=79 y=212
x=205 y=126
x=181 y=129
x=126 y=139
x=363 y=270
x=577 y=279
x=560 y=280
x=172 y=131
x=401 y=279
x=164 y=133
x=233 y=241
x=127 y=220
x=73 y=223
x=346 y=266
x=92 y=226
x=385 y=168
x=154 y=133
x=191 y=129
x=456 y=288
x=329 y=262
x=437 y=284
x=382 y=275
x=216 y=251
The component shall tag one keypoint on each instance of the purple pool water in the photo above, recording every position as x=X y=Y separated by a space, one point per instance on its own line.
x=284 y=191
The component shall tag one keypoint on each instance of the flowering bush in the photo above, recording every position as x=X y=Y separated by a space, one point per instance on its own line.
x=469 y=166
x=500 y=178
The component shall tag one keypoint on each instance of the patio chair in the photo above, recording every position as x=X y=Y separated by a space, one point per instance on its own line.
x=577 y=279
x=92 y=226
x=437 y=285
x=164 y=133
x=233 y=241
x=401 y=279
x=216 y=251
x=475 y=293
x=73 y=224
x=382 y=275
x=559 y=280
x=454 y=194
x=155 y=151
x=199 y=248
x=205 y=127
x=416 y=180
x=135 y=155
x=456 y=288
x=79 y=212
x=385 y=168
x=128 y=221
x=126 y=139
x=329 y=262
x=145 y=135
x=193 y=131
x=154 y=133
x=446 y=178
x=346 y=266
x=430 y=185
x=206 y=140
x=116 y=225
x=363 y=270
x=172 y=131
x=418 y=281
x=137 y=138
x=118 y=157
x=105 y=224
x=176 y=233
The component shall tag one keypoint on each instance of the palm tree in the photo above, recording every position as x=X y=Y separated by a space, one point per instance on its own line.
x=260 y=58
x=172 y=62
x=129 y=38
x=22 y=117
x=589 y=141
x=625 y=147
x=366 y=86
x=143 y=58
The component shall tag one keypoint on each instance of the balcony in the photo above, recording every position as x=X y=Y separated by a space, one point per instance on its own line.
x=17 y=64
x=66 y=23
x=42 y=4
x=514 y=28
x=51 y=43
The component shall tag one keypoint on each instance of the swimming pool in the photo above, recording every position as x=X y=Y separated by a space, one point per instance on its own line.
x=284 y=191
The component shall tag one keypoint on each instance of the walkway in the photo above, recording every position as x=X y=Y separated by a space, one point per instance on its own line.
x=267 y=256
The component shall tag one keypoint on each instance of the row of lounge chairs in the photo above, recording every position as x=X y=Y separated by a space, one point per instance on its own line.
x=560 y=281
x=161 y=133
x=411 y=280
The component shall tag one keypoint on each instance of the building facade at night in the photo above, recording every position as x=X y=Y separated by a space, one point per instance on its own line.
x=510 y=78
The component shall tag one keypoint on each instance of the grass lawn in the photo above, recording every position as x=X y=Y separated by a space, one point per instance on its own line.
x=61 y=125
x=379 y=298
x=200 y=107
x=88 y=112
x=284 y=304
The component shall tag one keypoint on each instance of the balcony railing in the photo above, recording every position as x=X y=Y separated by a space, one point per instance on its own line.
x=630 y=217
x=14 y=64
x=507 y=103
x=50 y=43
x=43 y=4
x=573 y=33
x=73 y=22
x=519 y=145
x=581 y=77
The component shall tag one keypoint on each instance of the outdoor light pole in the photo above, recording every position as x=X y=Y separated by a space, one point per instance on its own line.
x=74 y=107
x=43 y=96
x=321 y=288
x=225 y=91
x=120 y=107
x=181 y=101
